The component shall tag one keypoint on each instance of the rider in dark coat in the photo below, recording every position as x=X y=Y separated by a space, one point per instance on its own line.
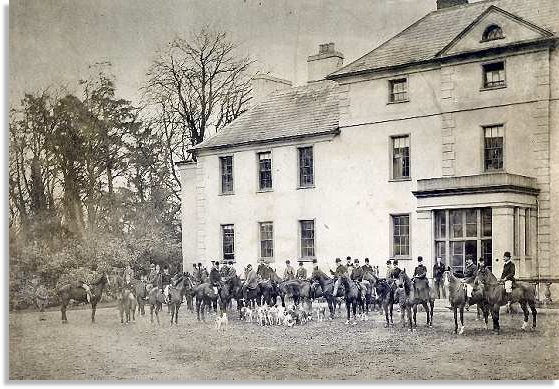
x=340 y=269
x=301 y=272
x=215 y=277
x=357 y=272
x=470 y=273
x=420 y=272
x=507 y=275
x=395 y=274
x=366 y=267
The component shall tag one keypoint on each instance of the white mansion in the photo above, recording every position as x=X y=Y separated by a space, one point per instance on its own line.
x=443 y=141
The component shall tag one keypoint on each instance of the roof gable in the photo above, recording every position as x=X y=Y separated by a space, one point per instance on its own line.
x=515 y=30
x=423 y=40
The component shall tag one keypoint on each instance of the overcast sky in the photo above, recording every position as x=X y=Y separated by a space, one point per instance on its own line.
x=54 y=41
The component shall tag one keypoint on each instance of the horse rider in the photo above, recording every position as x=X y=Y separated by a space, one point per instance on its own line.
x=165 y=282
x=128 y=275
x=289 y=272
x=152 y=276
x=356 y=272
x=438 y=271
x=251 y=281
x=367 y=267
x=340 y=268
x=389 y=269
x=420 y=272
x=224 y=270
x=232 y=271
x=507 y=276
x=395 y=273
x=215 y=276
x=202 y=273
x=301 y=272
x=470 y=273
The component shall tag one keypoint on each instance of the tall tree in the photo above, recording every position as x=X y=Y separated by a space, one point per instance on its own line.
x=194 y=86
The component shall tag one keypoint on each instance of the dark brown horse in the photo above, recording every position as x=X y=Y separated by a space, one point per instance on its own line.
x=127 y=304
x=487 y=288
x=176 y=293
x=155 y=301
x=409 y=296
x=205 y=297
x=352 y=296
x=385 y=293
x=327 y=286
x=77 y=293
x=141 y=292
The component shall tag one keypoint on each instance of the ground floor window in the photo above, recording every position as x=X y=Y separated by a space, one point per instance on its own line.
x=463 y=232
x=400 y=236
x=228 y=241
x=266 y=240
x=307 y=239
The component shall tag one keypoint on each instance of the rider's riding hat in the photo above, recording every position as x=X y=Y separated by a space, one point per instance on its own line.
x=287 y=262
x=507 y=254
x=366 y=260
x=356 y=260
x=420 y=259
x=338 y=260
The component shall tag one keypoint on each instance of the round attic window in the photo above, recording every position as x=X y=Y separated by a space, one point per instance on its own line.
x=493 y=32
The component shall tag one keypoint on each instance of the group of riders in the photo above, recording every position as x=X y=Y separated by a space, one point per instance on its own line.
x=162 y=279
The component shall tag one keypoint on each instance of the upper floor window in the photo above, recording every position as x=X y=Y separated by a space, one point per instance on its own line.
x=493 y=148
x=400 y=157
x=226 y=169
x=228 y=241
x=492 y=32
x=307 y=238
x=494 y=75
x=398 y=90
x=265 y=170
x=306 y=167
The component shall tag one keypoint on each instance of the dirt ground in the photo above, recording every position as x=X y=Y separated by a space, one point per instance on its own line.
x=46 y=350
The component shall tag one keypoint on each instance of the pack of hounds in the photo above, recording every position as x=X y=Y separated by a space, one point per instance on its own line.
x=265 y=315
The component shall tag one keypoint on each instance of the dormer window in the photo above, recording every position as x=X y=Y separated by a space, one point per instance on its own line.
x=492 y=33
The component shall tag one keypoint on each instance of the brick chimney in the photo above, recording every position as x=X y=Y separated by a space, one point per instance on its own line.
x=450 y=3
x=325 y=62
x=264 y=84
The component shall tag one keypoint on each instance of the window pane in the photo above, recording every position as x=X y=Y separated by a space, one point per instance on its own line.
x=266 y=240
x=401 y=157
x=307 y=238
x=306 y=167
x=400 y=236
x=486 y=222
x=440 y=251
x=440 y=224
x=456 y=227
x=470 y=248
x=398 y=90
x=226 y=168
x=494 y=74
x=486 y=252
x=228 y=238
x=471 y=223
x=493 y=148
x=265 y=170
x=457 y=256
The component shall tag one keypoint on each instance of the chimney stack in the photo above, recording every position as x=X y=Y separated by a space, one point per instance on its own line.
x=264 y=84
x=325 y=62
x=450 y=3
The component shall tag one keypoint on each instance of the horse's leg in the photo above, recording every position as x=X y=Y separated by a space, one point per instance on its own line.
x=158 y=308
x=455 y=312
x=431 y=311
x=348 y=309
x=93 y=308
x=495 y=315
x=485 y=311
x=524 y=308
x=415 y=315
x=151 y=308
x=391 y=306
x=331 y=307
x=385 y=307
x=532 y=305
x=461 y=319
x=403 y=314
x=427 y=311
x=63 y=311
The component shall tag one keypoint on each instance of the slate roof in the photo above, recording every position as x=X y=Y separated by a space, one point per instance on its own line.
x=425 y=38
x=284 y=114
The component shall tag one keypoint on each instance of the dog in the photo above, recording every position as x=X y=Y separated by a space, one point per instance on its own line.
x=320 y=314
x=289 y=321
x=246 y=314
x=273 y=315
x=222 y=322
x=262 y=315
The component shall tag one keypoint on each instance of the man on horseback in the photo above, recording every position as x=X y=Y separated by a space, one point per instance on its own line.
x=366 y=267
x=215 y=276
x=438 y=271
x=470 y=273
x=165 y=282
x=507 y=276
x=389 y=269
x=395 y=273
x=301 y=272
x=356 y=272
x=289 y=272
x=128 y=275
x=420 y=272
x=251 y=281
x=340 y=269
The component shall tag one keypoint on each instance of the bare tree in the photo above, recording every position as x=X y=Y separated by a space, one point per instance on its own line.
x=194 y=86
